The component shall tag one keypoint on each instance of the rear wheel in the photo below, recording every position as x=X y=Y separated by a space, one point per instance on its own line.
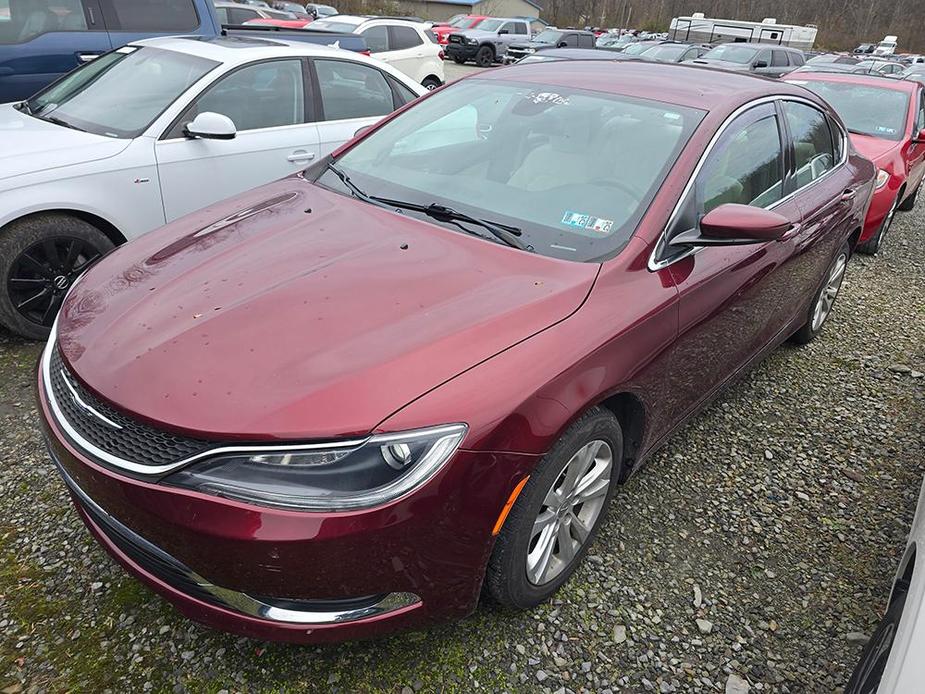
x=485 y=56
x=872 y=245
x=459 y=61
x=558 y=512
x=40 y=257
x=822 y=305
x=430 y=82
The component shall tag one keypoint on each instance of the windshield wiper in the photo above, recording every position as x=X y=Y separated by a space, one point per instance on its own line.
x=503 y=232
x=61 y=121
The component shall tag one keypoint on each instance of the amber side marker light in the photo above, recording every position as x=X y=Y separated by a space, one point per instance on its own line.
x=510 y=503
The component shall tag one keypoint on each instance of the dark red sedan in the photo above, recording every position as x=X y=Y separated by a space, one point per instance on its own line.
x=886 y=122
x=339 y=404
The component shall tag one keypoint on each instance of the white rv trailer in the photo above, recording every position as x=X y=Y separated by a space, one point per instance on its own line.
x=886 y=47
x=700 y=29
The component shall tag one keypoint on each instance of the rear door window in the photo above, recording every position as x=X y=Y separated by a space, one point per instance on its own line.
x=377 y=38
x=352 y=90
x=402 y=37
x=23 y=21
x=586 y=41
x=150 y=15
x=779 y=59
x=571 y=40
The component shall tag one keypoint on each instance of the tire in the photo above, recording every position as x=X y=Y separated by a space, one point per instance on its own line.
x=430 y=83
x=908 y=204
x=867 y=674
x=40 y=257
x=508 y=578
x=485 y=56
x=872 y=245
x=826 y=296
x=459 y=61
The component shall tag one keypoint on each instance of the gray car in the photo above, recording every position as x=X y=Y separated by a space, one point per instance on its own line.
x=759 y=58
x=488 y=42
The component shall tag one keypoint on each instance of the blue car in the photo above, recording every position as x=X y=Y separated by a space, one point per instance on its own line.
x=40 y=40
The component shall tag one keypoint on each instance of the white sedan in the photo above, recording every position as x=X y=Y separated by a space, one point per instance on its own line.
x=159 y=129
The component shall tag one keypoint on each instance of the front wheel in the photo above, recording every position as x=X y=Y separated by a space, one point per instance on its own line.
x=872 y=245
x=40 y=257
x=821 y=308
x=909 y=203
x=558 y=513
x=485 y=56
x=459 y=61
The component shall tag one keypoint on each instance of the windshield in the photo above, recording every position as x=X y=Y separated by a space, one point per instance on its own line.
x=613 y=40
x=637 y=48
x=547 y=36
x=490 y=24
x=731 y=53
x=867 y=110
x=574 y=170
x=460 y=22
x=121 y=93
x=666 y=53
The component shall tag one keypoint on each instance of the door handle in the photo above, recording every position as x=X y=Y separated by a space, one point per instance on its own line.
x=848 y=195
x=791 y=232
x=301 y=155
x=87 y=57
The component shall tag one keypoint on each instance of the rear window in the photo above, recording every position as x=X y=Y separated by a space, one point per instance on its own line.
x=23 y=21
x=864 y=109
x=150 y=15
x=329 y=25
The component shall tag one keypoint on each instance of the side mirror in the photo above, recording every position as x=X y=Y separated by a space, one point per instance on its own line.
x=503 y=31
x=919 y=139
x=211 y=126
x=735 y=225
x=561 y=44
x=760 y=64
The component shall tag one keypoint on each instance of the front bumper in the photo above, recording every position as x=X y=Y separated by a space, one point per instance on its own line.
x=282 y=575
x=461 y=51
x=880 y=205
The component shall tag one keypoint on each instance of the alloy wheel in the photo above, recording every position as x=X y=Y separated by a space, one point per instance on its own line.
x=41 y=275
x=827 y=296
x=569 y=512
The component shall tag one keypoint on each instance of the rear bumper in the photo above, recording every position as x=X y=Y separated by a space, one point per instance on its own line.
x=282 y=575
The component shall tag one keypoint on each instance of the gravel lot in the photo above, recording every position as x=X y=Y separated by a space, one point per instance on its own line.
x=775 y=518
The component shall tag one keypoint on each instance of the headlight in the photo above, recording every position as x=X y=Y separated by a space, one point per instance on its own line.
x=472 y=42
x=882 y=177
x=529 y=50
x=326 y=477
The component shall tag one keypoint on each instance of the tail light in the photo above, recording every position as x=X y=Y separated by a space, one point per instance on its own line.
x=440 y=55
x=366 y=52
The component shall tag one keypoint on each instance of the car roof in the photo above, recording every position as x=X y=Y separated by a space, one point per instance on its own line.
x=584 y=54
x=858 y=78
x=235 y=49
x=684 y=85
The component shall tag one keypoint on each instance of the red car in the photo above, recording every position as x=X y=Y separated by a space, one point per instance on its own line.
x=340 y=404
x=886 y=122
x=457 y=23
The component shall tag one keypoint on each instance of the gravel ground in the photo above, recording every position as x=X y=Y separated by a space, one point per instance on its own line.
x=764 y=534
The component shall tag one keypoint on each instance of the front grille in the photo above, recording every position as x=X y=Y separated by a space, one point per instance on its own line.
x=129 y=440
x=455 y=38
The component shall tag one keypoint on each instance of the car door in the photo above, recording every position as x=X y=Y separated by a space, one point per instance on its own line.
x=351 y=95
x=780 y=63
x=730 y=302
x=761 y=64
x=822 y=187
x=916 y=151
x=39 y=43
x=270 y=104
x=406 y=50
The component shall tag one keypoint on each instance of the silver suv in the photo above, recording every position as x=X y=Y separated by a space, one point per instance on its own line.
x=488 y=42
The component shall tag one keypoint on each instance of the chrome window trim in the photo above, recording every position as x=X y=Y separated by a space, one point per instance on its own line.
x=151 y=470
x=656 y=265
x=232 y=599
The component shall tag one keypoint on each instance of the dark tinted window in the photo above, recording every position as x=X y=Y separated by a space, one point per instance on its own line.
x=239 y=15
x=586 y=41
x=150 y=15
x=745 y=167
x=405 y=95
x=22 y=21
x=779 y=59
x=797 y=59
x=521 y=28
x=812 y=141
x=352 y=90
x=377 y=38
x=403 y=37
x=264 y=95
x=571 y=40
x=431 y=36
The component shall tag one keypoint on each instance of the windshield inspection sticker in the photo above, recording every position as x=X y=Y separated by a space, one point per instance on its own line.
x=575 y=219
x=587 y=222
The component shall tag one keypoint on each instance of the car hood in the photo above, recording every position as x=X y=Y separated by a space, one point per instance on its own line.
x=874 y=148
x=277 y=322
x=31 y=144
x=724 y=64
x=532 y=44
x=476 y=34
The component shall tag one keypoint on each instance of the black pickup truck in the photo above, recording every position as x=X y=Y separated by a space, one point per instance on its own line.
x=40 y=41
